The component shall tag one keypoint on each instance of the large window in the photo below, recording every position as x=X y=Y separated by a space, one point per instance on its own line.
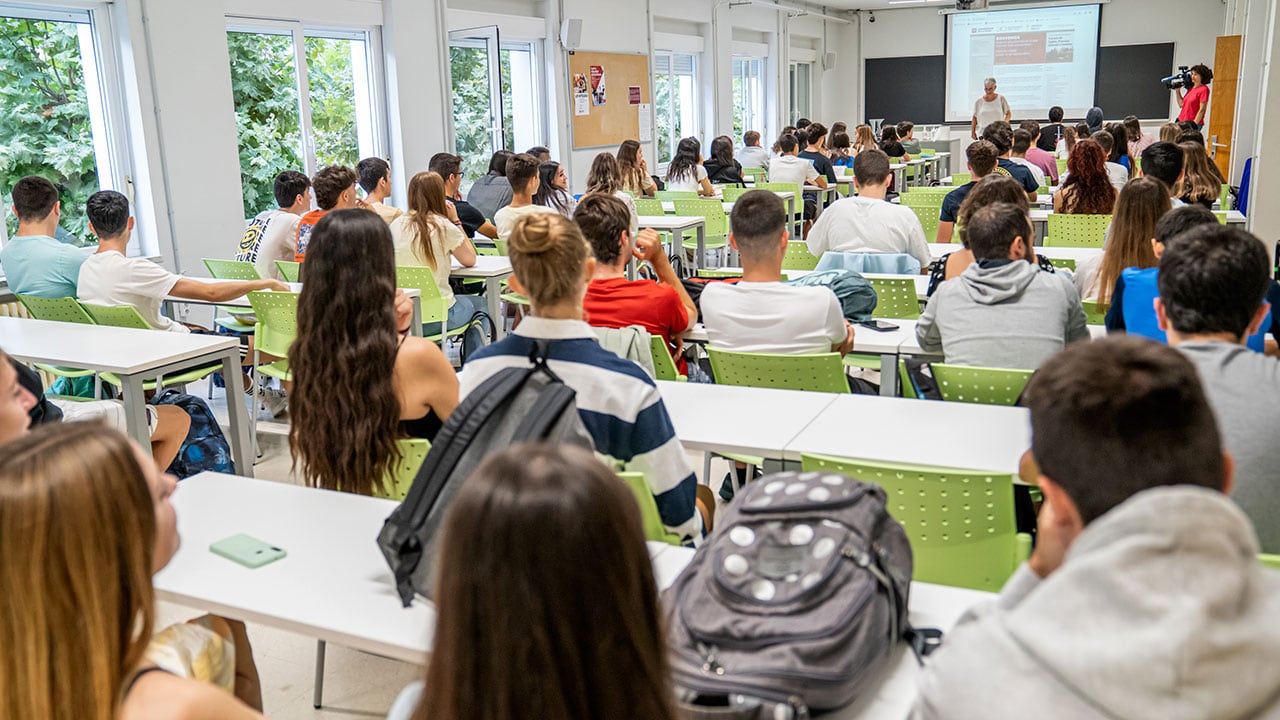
x=55 y=118
x=801 y=90
x=674 y=89
x=748 y=95
x=304 y=98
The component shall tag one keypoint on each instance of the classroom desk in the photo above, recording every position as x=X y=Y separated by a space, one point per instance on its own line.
x=669 y=206
x=934 y=606
x=675 y=224
x=136 y=356
x=1040 y=220
x=911 y=347
x=493 y=269
x=899 y=174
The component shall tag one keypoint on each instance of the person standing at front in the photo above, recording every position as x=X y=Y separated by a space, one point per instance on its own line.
x=1196 y=101
x=989 y=108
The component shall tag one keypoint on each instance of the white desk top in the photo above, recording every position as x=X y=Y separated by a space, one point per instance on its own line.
x=739 y=420
x=670 y=222
x=1078 y=254
x=935 y=606
x=1040 y=215
x=102 y=348
x=486 y=266
x=333 y=585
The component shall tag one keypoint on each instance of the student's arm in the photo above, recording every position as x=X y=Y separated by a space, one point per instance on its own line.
x=927 y=333
x=1057 y=201
x=427 y=371
x=845 y=347
x=973 y=127
x=917 y=245
x=1008 y=113
x=464 y=250
x=1077 y=323
x=224 y=290
x=815 y=178
x=183 y=699
x=649 y=249
x=705 y=189
x=655 y=451
x=1204 y=105
x=944 y=231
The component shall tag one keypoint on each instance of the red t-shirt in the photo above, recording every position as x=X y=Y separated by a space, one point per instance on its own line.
x=619 y=302
x=1191 y=102
x=305 y=226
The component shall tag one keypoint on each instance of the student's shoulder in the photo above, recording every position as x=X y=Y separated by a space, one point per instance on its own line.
x=161 y=695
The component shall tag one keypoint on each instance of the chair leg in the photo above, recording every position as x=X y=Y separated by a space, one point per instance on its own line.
x=253 y=406
x=706 y=469
x=317 y=697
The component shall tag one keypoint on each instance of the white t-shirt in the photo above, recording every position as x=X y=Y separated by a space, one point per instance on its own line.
x=505 y=219
x=792 y=169
x=1036 y=172
x=770 y=317
x=989 y=112
x=445 y=238
x=1119 y=176
x=861 y=224
x=269 y=237
x=688 y=182
x=109 y=278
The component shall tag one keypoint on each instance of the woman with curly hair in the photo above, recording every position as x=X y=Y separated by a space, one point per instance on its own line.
x=1087 y=189
x=360 y=382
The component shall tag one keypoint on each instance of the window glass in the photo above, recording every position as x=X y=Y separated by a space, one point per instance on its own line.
x=674 y=83
x=264 y=87
x=748 y=96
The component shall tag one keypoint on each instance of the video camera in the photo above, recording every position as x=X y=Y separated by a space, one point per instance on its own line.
x=1180 y=79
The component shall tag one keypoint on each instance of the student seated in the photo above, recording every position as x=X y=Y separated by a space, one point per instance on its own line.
x=788 y=167
x=1164 y=162
x=1002 y=311
x=449 y=167
x=1018 y=154
x=79 y=606
x=618 y=403
x=1000 y=134
x=907 y=137
x=513 y=529
x=335 y=189
x=34 y=262
x=685 y=172
x=603 y=177
x=1119 y=153
x=981 y=158
x=374 y=175
x=553 y=189
x=815 y=151
x=1200 y=181
x=431 y=236
x=721 y=168
x=110 y=277
x=1138 y=140
x=361 y=382
x=492 y=192
x=1143 y=596
x=1042 y=159
x=1118 y=174
x=752 y=154
x=543 y=154
x=634 y=170
x=865 y=222
x=662 y=308
x=841 y=152
x=1086 y=188
x=890 y=145
x=760 y=314
x=1050 y=135
x=1214 y=282
x=1142 y=203
x=522 y=174
x=271 y=234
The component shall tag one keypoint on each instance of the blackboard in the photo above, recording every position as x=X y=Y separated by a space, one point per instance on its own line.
x=1128 y=83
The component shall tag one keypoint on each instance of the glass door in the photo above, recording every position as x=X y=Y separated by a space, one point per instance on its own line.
x=475 y=69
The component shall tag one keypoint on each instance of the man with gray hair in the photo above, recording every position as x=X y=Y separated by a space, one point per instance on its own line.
x=989 y=108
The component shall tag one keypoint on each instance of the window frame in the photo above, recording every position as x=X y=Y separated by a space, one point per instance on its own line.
x=753 y=109
x=793 y=113
x=672 y=76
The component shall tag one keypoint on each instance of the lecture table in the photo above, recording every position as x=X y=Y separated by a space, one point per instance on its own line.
x=135 y=356
x=334 y=584
x=669 y=206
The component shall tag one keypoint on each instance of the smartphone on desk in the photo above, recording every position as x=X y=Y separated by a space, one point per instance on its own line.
x=878 y=325
x=247 y=550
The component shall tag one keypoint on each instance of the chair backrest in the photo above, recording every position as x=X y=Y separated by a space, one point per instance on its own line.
x=501 y=245
x=731 y=194
x=930 y=217
x=289 y=270
x=757 y=174
x=895 y=298
x=798 y=256
x=664 y=367
x=676 y=194
x=649 y=206
x=782 y=187
x=652 y=521
x=231 y=269
x=823 y=372
x=1063 y=263
x=960 y=522
x=1224 y=199
x=719 y=272
x=56 y=309
x=1077 y=230
x=717 y=222
x=434 y=308
x=959 y=179
x=395 y=486
x=1221 y=215
x=1271 y=561
x=277 y=325
x=1095 y=313
x=924 y=195
x=125 y=316
x=983 y=386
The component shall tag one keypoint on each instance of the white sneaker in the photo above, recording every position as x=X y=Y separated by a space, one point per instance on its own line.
x=275 y=400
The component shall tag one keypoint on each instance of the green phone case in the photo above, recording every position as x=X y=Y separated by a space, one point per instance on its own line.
x=247 y=550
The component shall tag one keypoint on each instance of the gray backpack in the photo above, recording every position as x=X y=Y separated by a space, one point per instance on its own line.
x=793 y=604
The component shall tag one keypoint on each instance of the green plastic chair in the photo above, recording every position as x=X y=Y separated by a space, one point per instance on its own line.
x=930 y=218
x=275 y=331
x=649 y=517
x=1095 y=313
x=1062 y=165
x=232 y=270
x=1221 y=215
x=289 y=270
x=757 y=174
x=664 y=366
x=917 y=195
x=673 y=195
x=1271 y=561
x=960 y=522
x=61 y=310
x=1076 y=230
x=398 y=480
x=798 y=256
x=127 y=316
x=649 y=206
x=1063 y=263
x=958 y=179
x=716 y=223
x=817 y=373
x=434 y=307
x=979 y=385
x=732 y=193
x=719 y=272
x=1224 y=199
x=895 y=298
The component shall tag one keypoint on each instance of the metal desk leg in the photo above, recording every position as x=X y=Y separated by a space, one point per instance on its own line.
x=701 y=260
x=889 y=375
x=135 y=413
x=241 y=449
x=415 y=322
x=791 y=212
x=493 y=292
x=318 y=695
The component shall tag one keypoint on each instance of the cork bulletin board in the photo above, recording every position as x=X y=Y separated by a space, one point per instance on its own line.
x=608 y=95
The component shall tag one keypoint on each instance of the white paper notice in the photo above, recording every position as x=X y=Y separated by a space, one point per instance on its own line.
x=581 y=104
x=646 y=122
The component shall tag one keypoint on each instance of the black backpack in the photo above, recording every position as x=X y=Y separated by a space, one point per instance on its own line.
x=515 y=405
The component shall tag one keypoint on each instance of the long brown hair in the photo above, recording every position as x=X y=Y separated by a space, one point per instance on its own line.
x=344 y=406
x=426 y=198
x=548 y=254
x=1169 y=132
x=993 y=188
x=78 y=528
x=863 y=139
x=604 y=175
x=1142 y=203
x=633 y=177
x=1069 y=138
x=1091 y=190
x=1199 y=183
x=546 y=603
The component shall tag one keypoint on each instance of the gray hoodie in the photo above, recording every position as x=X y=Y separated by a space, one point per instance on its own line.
x=1161 y=610
x=1010 y=316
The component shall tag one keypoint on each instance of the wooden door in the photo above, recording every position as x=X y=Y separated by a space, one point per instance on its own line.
x=1222 y=101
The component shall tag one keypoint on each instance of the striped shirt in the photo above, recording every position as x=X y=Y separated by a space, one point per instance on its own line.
x=618 y=403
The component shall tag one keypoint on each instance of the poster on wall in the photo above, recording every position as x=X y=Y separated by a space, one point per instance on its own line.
x=633 y=94
x=646 y=122
x=597 y=85
x=581 y=100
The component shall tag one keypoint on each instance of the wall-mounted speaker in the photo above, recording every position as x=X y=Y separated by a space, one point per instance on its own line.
x=829 y=61
x=571 y=33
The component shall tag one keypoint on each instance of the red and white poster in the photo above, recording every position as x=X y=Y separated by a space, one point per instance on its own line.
x=633 y=93
x=597 y=85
